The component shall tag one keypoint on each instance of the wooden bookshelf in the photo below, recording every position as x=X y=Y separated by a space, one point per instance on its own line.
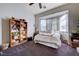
x=18 y=31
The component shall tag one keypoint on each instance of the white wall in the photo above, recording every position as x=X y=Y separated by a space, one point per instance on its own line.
x=18 y=11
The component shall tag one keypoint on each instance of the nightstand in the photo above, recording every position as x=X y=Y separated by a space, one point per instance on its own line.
x=75 y=40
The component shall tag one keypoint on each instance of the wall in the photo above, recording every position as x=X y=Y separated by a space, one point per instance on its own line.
x=18 y=11
x=73 y=15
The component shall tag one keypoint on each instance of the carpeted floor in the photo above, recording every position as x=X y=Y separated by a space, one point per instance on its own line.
x=32 y=49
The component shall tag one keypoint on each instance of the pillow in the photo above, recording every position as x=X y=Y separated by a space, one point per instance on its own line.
x=44 y=33
x=57 y=34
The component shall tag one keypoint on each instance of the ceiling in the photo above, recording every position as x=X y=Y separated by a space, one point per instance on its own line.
x=36 y=10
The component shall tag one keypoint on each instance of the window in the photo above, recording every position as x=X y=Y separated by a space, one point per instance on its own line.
x=54 y=22
x=43 y=25
x=63 y=23
x=48 y=25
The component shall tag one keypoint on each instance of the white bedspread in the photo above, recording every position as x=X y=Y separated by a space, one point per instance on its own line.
x=49 y=40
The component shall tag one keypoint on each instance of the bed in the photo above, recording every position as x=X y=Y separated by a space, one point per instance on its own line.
x=51 y=40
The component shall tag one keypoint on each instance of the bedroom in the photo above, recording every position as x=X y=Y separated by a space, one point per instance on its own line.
x=48 y=27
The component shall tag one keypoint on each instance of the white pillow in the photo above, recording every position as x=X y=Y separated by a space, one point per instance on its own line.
x=57 y=34
x=44 y=33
